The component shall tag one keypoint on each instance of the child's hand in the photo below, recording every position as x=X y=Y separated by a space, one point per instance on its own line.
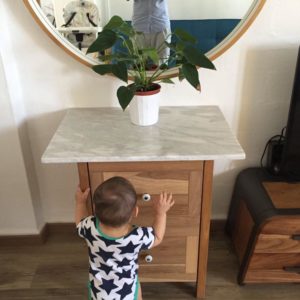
x=164 y=203
x=80 y=196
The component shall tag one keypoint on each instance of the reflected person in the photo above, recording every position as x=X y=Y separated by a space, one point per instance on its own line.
x=151 y=17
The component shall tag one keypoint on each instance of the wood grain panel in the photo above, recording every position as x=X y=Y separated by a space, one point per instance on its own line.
x=191 y=254
x=84 y=182
x=276 y=243
x=242 y=230
x=274 y=260
x=155 y=182
x=195 y=191
x=170 y=252
x=168 y=273
x=288 y=224
x=271 y=276
x=180 y=200
x=177 y=225
x=146 y=166
x=204 y=228
x=283 y=195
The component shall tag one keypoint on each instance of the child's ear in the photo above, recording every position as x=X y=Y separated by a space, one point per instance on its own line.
x=135 y=211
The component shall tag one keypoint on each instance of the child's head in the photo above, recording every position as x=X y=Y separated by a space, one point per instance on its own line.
x=115 y=200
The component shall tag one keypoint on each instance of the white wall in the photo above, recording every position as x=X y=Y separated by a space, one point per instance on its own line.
x=16 y=207
x=252 y=87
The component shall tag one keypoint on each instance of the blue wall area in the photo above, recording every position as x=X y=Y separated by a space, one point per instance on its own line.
x=209 y=33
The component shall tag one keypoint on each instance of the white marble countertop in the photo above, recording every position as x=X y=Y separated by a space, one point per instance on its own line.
x=107 y=135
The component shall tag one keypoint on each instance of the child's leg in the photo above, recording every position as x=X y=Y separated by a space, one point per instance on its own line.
x=140 y=297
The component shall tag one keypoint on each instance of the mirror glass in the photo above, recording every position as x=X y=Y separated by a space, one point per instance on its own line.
x=74 y=24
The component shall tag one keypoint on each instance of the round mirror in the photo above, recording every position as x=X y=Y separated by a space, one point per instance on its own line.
x=75 y=24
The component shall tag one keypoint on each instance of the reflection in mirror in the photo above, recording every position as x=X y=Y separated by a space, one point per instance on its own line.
x=75 y=24
x=210 y=21
x=78 y=21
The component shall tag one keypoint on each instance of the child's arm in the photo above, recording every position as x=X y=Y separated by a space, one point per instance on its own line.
x=161 y=207
x=81 y=205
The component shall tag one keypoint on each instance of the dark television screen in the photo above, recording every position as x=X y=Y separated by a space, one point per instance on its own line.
x=290 y=167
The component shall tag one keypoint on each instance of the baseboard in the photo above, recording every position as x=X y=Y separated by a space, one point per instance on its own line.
x=217 y=226
x=26 y=239
x=52 y=229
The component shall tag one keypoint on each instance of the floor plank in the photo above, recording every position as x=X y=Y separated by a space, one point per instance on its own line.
x=58 y=270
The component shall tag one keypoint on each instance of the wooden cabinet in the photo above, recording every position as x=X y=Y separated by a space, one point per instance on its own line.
x=103 y=143
x=183 y=253
x=264 y=223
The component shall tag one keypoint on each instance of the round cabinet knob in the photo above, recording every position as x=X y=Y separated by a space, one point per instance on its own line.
x=149 y=258
x=146 y=197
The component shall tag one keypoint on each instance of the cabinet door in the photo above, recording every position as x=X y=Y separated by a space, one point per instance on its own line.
x=176 y=258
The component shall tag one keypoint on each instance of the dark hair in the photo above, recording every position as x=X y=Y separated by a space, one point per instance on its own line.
x=114 y=201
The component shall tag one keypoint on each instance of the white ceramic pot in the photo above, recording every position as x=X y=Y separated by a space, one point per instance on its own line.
x=144 y=107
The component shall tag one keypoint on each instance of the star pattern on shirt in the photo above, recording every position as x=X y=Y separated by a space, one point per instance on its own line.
x=134 y=231
x=89 y=236
x=147 y=246
x=124 y=262
x=108 y=285
x=105 y=255
x=91 y=255
x=93 y=272
x=113 y=264
x=105 y=268
x=126 y=290
x=129 y=248
x=95 y=291
x=124 y=274
x=109 y=242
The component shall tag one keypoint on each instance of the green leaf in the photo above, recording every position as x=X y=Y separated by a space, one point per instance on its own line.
x=126 y=29
x=171 y=45
x=129 y=45
x=196 y=57
x=102 y=69
x=181 y=75
x=114 y=23
x=185 y=36
x=105 y=40
x=180 y=46
x=152 y=54
x=167 y=80
x=191 y=74
x=120 y=71
x=164 y=66
x=125 y=95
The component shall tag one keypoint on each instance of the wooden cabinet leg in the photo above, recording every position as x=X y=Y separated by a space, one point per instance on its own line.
x=84 y=182
x=204 y=228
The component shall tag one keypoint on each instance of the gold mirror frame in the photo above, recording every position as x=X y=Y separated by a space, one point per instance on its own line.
x=231 y=39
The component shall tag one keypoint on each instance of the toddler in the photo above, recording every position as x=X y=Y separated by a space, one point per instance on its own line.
x=113 y=243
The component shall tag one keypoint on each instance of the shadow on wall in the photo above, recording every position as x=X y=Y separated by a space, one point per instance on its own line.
x=267 y=80
x=265 y=97
x=57 y=182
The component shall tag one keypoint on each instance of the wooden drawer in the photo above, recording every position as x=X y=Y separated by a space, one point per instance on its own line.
x=274 y=260
x=155 y=182
x=175 y=260
x=181 y=179
x=276 y=243
x=171 y=252
x=271 y=276
x=286 y=225
x=274 y=267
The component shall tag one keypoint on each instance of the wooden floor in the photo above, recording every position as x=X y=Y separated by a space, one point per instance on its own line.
x=58 y=270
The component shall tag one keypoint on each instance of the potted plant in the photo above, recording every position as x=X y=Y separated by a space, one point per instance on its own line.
x=132 y=62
